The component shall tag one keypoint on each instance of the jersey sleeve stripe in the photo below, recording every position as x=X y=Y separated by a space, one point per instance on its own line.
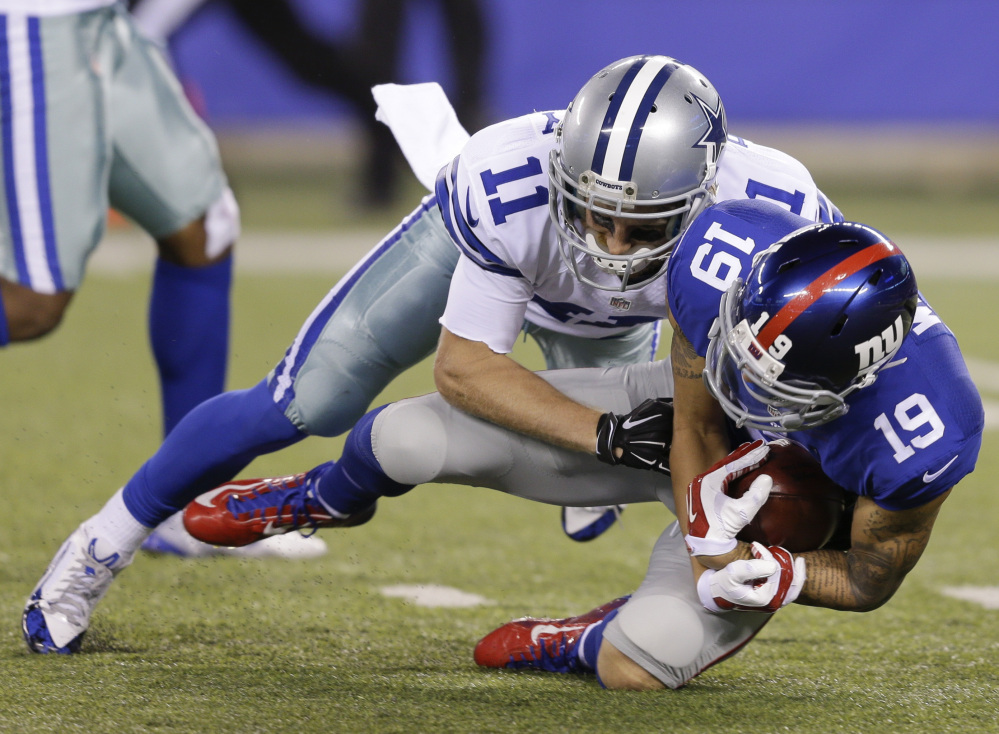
x=457 y=226
x=828 y=212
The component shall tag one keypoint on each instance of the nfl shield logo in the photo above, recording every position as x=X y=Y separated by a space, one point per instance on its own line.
x=622 y=304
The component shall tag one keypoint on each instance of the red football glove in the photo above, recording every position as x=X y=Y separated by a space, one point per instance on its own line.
x=771 y=581
x=713 y=518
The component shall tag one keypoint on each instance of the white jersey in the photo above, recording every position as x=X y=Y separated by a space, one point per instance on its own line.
x=51 y=7
x=494 y=200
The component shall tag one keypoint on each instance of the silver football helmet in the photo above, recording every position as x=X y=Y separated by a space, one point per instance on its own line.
x=639 y=143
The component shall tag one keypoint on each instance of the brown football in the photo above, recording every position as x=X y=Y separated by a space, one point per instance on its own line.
x=804 y=506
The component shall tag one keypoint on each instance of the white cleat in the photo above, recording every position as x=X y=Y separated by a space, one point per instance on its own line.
x=57 y=614
x=586 y=523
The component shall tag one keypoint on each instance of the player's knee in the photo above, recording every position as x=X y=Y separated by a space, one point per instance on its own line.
x=29 y=314
x=329 y=400
x=205 y=240
x=667 y=629
x=409 y=441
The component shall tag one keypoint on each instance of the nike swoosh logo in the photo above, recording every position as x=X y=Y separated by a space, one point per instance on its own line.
x=207 y=499
x=929 y=477
x=544 y=629
x=629 y=423
x=472 y=221
x=269 y=529
x=691 y=516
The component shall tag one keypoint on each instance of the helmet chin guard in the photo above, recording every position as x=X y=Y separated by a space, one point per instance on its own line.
x=640 y=143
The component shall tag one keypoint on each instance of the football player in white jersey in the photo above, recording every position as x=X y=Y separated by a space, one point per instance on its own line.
x=556 y=223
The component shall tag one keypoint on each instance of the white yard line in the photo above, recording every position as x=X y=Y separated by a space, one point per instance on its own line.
x=433 y=595
x=986 y=596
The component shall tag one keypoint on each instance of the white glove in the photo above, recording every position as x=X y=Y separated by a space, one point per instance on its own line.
x=772 y=580
x=713 y=518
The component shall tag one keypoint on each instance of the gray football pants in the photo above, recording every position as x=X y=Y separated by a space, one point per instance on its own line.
x=663 y=627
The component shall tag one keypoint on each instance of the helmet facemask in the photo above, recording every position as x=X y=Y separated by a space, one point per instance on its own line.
x=585 y=209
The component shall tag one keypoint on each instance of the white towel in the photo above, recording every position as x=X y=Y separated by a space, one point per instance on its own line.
x=424 y=124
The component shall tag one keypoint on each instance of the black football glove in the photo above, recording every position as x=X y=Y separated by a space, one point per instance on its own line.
x=644 y=435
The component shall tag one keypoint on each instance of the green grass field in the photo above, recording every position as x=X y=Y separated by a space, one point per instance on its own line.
x=226 y=645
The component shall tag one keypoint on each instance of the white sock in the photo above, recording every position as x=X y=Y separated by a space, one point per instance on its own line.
x=116 y=525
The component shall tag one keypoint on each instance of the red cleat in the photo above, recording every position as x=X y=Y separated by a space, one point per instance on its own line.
x=542 y=644
x=243 y=512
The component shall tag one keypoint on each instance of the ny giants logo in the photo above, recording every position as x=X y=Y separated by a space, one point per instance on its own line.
x=878 y=348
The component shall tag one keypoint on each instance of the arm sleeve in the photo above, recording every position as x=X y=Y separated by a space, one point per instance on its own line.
x=486 y=307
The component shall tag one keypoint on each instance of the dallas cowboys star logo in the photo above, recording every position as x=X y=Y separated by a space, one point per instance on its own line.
x=714 y=136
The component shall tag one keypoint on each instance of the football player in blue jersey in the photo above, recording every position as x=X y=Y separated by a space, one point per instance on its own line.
x=558 y=223
x=823 y=338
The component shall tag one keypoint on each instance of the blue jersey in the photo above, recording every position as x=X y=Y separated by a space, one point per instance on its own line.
x=908 y=437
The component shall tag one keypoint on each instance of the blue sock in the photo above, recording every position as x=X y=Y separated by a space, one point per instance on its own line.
x=189 y=333
x=212 y=444
x=591 y=644
x=4 y=330
x=356 y=481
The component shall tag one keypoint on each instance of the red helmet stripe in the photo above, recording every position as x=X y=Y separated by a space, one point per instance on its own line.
x=805 y=298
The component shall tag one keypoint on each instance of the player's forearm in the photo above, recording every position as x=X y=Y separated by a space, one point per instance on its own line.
x=495 y=388
x=852 y=581
x=885 y=546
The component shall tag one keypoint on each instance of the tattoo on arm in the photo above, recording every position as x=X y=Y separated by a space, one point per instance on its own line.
x=885 y=547
x=686 y=361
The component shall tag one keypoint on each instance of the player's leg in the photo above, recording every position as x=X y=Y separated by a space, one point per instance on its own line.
x=561 y=351
x=221 y=436
x=379 y=320
x=665 y=631
x=166 y=175
x=53 y=151
x=425 y=439
x=660 y=637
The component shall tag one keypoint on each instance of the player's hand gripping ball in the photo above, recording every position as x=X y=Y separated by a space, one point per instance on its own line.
x=804 y=507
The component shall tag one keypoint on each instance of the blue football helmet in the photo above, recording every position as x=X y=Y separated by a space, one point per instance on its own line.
x=640 y=141
x=820 y=312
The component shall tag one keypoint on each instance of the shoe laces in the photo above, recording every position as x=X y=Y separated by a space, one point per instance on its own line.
x=296 y=497
x=80 y=587
x=555 y=655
